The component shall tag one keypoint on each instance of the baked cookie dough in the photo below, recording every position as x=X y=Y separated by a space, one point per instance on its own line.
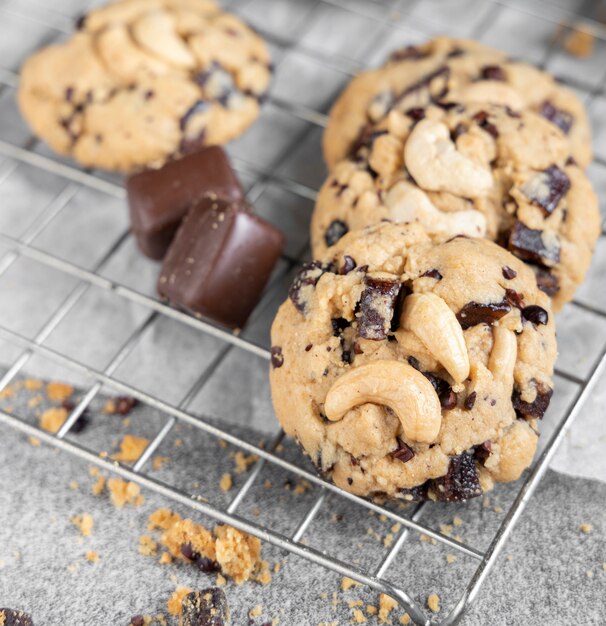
x=452 y=70
x=144 y=80
x=414 y=369
x=476 y=170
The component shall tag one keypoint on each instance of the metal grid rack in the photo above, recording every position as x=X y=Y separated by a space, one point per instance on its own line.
x=383 y=23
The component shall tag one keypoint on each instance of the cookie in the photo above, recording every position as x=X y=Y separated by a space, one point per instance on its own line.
x=145 y=80
x=476 y=170
x=414 y=369
x=452 y=70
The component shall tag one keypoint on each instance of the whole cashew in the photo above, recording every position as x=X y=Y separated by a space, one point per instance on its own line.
x=432 y=159
x=408 y=203
x=491 y=91
x=504 y=353
x=434 y=323
x=394 y=384
x=156 y=32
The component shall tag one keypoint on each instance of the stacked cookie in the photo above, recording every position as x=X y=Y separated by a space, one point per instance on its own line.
x=414 y=357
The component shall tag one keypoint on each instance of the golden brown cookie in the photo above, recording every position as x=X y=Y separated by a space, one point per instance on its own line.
x=144 y=80
x=452 y=70
x=411 y=368
x=476 y=170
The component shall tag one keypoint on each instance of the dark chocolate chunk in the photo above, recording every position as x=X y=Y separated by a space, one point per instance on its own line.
x=80 y=22
x=83 y=420
x=461 y=481
x=122 y=405
x=10 y=617
x=508 y=273
x=459 y=129
x=205 y=608
x=455 y=53
x=366 y=138
x=336 y=229
x=470 y=400
x=206 y=565
x=188 y=552
x=481 y=117
x=348 y=265
x=339 y=324
x=535 y=314
x=159 y=199
x=219 y=262
x=277 y=358
x=414 y=494
x=537 y=407
x=416 y=114
x=546 y=281
x=377 y=307
x=435 y=82
x=527 y=244
x=477 y=313
x=482 y=452
x=407 y=53
x=433 y=273
x=137 y=620
x=448 y=400
x=403 y=452
x=562 y=119
x=514 y=298
x=493 y=72
x=547 y=188
x=302 y=287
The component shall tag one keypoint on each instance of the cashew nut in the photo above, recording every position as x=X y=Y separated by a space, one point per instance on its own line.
x=394 y=384
x=156 y=32
x=504 y=353
x=434 y=162
x=492 y=91
x=434 y=323
x=408 y=203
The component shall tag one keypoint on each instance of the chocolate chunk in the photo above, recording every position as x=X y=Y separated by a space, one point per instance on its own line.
x=493 y=72
x=366 y=138
x=302 y=287
x=508 y=273
x=477 y=313
x=416 y=114
x=414 y=494
x=219 y=262
x=482 y=452
x=527 y=244
x=537 y=407
x=206 y=565
x=159 y=199
x=461 y=481
x=334 y=232
x=436 y=90
x=407 y=53
x=562 y=119
x=514 y=298
x=377 y=307
x=470 y=400
x=339 y=324
x=448 y=400
x=535 y=314
x=10 y=617
x=459 y=129
x=348 y=265
x=122 y=405
x=547 y=189
x=277 y=358
x=205 y=608
x=188 y=552
x=433 y=273
x=547 y=282
x=137 y=620
x=481 y=117
x=455 y=53
x=403 y=452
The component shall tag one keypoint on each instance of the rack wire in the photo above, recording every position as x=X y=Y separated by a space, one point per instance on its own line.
x=383 y=21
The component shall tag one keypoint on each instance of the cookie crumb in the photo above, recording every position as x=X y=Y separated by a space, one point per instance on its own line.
x=221 y=581
x=348 y=583
x=586 y=527
x=428 y=539
x=226 y=482
x=84 y=523
x=175 y=602
x=91 y=556
x=52 y=419
x=147 y=546
x=579 y=43
x=131 y=448
x=256 y=611
x=32 y=384
x=446 y=529
x=158 y=462
x=450 y=558
x=74 y=485
x=72 y=568
x=122 y=493
x=457 y=521
x=359 y=617
x=165 y=559
x=405 y=619
x=371 y=609
x=98 y=486
x=243 y=461
x=433 y=603
x=58 y=392
x=589 y=573
x=34 y=441
x=386 y=605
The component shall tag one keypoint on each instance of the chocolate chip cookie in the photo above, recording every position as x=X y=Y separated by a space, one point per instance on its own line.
x=412 y=368
x=452 y=70
x=144 y=80
x=474 y=170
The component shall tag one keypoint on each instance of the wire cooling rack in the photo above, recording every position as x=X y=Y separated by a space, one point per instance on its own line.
x=317 y=46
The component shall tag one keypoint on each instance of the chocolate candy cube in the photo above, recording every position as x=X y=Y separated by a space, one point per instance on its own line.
x=159 y=199
x=219 y=262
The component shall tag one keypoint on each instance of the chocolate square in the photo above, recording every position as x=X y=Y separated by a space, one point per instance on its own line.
x=219 y=262
x=159 y=199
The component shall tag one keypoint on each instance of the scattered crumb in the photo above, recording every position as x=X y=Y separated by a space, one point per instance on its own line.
x=243 y=461
x=122 y=405
x=175 y=601
x=131 y=448
x=457 y=521
x=405 y=619
x=589 y=573
x=498 y=509
x=7 y=392
x=165 y=559
x=221 y=581
x=433 y=603
x=395 y=529
x=34 y=441
x=84 y=523
x=58 y=392
x=72 y=568
x=586 y=528
x=99 y=486
x=509 y=557
x=359 y=617
x=158 y=462
x=267 y=484
x=383 y=518
x=91 y=556
x=352 y=604
x=386 y=606
x=371 y=610
x=579 y=43
x=388 y=540
x=161 y=519
x=147 y=546
x=178 y=443
x=486 y=503
x=32 y=384
x=223 y=444
x=256 y=611
x=348 y=583
x=226 y=482
x=122 y=492
x=74 y=485
x=93 y=471
x=52 y=419
x=428 y=539
x=301 y=487
x=446 y=529
x=450 y=558
x=32 y=403
x=277 y=567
